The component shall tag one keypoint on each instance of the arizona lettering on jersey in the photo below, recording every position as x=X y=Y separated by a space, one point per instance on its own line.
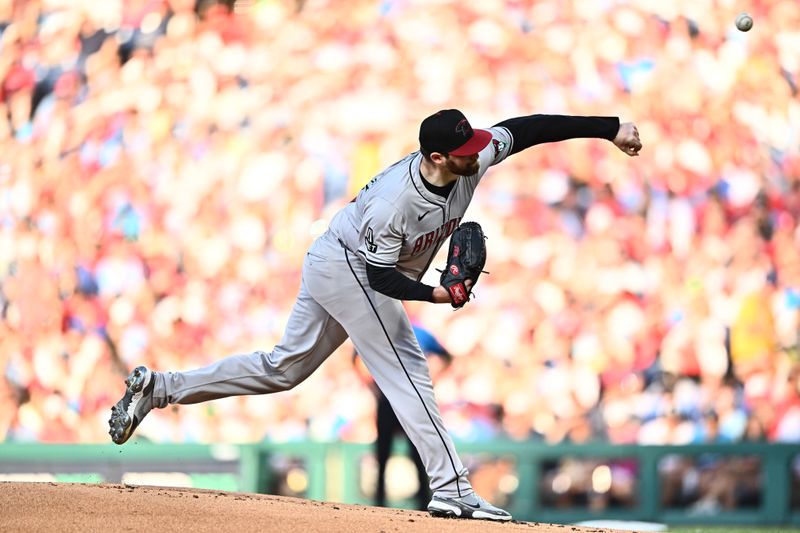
x=424 y=242
x=395 y=221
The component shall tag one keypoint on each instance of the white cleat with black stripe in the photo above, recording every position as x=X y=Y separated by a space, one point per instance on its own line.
x=133 y=406
x=470 y=506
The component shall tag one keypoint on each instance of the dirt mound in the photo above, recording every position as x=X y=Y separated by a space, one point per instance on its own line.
x=87 y=508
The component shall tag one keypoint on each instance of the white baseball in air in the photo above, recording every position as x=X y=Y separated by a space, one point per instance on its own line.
x=744 y=22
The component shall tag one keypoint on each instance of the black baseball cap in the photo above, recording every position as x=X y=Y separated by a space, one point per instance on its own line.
x=448 y=132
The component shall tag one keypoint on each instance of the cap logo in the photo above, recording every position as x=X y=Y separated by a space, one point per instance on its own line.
x=464 y=128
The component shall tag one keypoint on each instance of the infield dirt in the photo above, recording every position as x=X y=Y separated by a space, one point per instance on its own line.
x=90 y=508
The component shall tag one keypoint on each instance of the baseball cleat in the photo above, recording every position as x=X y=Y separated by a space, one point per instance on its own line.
x=470 y=506
x=129 y=412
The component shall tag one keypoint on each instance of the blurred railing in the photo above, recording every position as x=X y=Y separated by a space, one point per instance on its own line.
x=753 y=483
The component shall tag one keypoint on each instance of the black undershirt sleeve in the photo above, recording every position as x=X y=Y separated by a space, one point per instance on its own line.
x=537 y=129
x=388 y=281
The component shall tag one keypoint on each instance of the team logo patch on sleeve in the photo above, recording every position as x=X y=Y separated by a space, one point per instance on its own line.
x=499 y=147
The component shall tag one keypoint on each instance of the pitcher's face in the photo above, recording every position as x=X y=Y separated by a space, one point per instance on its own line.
x=463 y=165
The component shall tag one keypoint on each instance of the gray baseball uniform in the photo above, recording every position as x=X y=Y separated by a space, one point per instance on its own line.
x=395 y=221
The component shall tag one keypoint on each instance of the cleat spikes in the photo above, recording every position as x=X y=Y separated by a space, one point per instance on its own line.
x=133 y=406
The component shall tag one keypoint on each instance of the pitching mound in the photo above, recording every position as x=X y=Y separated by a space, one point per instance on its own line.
x=87 y=508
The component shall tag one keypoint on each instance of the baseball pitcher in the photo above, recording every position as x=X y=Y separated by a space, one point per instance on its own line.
x=355 y=276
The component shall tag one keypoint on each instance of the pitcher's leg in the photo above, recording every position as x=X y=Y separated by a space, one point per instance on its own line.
x=311 y=335
x=400 y=370
x=415 y=406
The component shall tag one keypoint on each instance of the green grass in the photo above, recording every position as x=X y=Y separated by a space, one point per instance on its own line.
x=731 y=529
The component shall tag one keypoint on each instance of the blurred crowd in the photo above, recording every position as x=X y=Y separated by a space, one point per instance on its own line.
x=165 y=163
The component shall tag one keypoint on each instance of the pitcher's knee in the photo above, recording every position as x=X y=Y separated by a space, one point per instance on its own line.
x=282 y=372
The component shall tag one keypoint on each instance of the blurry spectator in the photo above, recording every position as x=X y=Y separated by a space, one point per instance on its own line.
x=660 y=300
x=710 y=482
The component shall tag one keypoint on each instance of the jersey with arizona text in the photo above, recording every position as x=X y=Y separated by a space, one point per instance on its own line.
x=395 y=221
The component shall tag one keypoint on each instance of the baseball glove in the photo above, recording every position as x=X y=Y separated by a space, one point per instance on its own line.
x=465 y=260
